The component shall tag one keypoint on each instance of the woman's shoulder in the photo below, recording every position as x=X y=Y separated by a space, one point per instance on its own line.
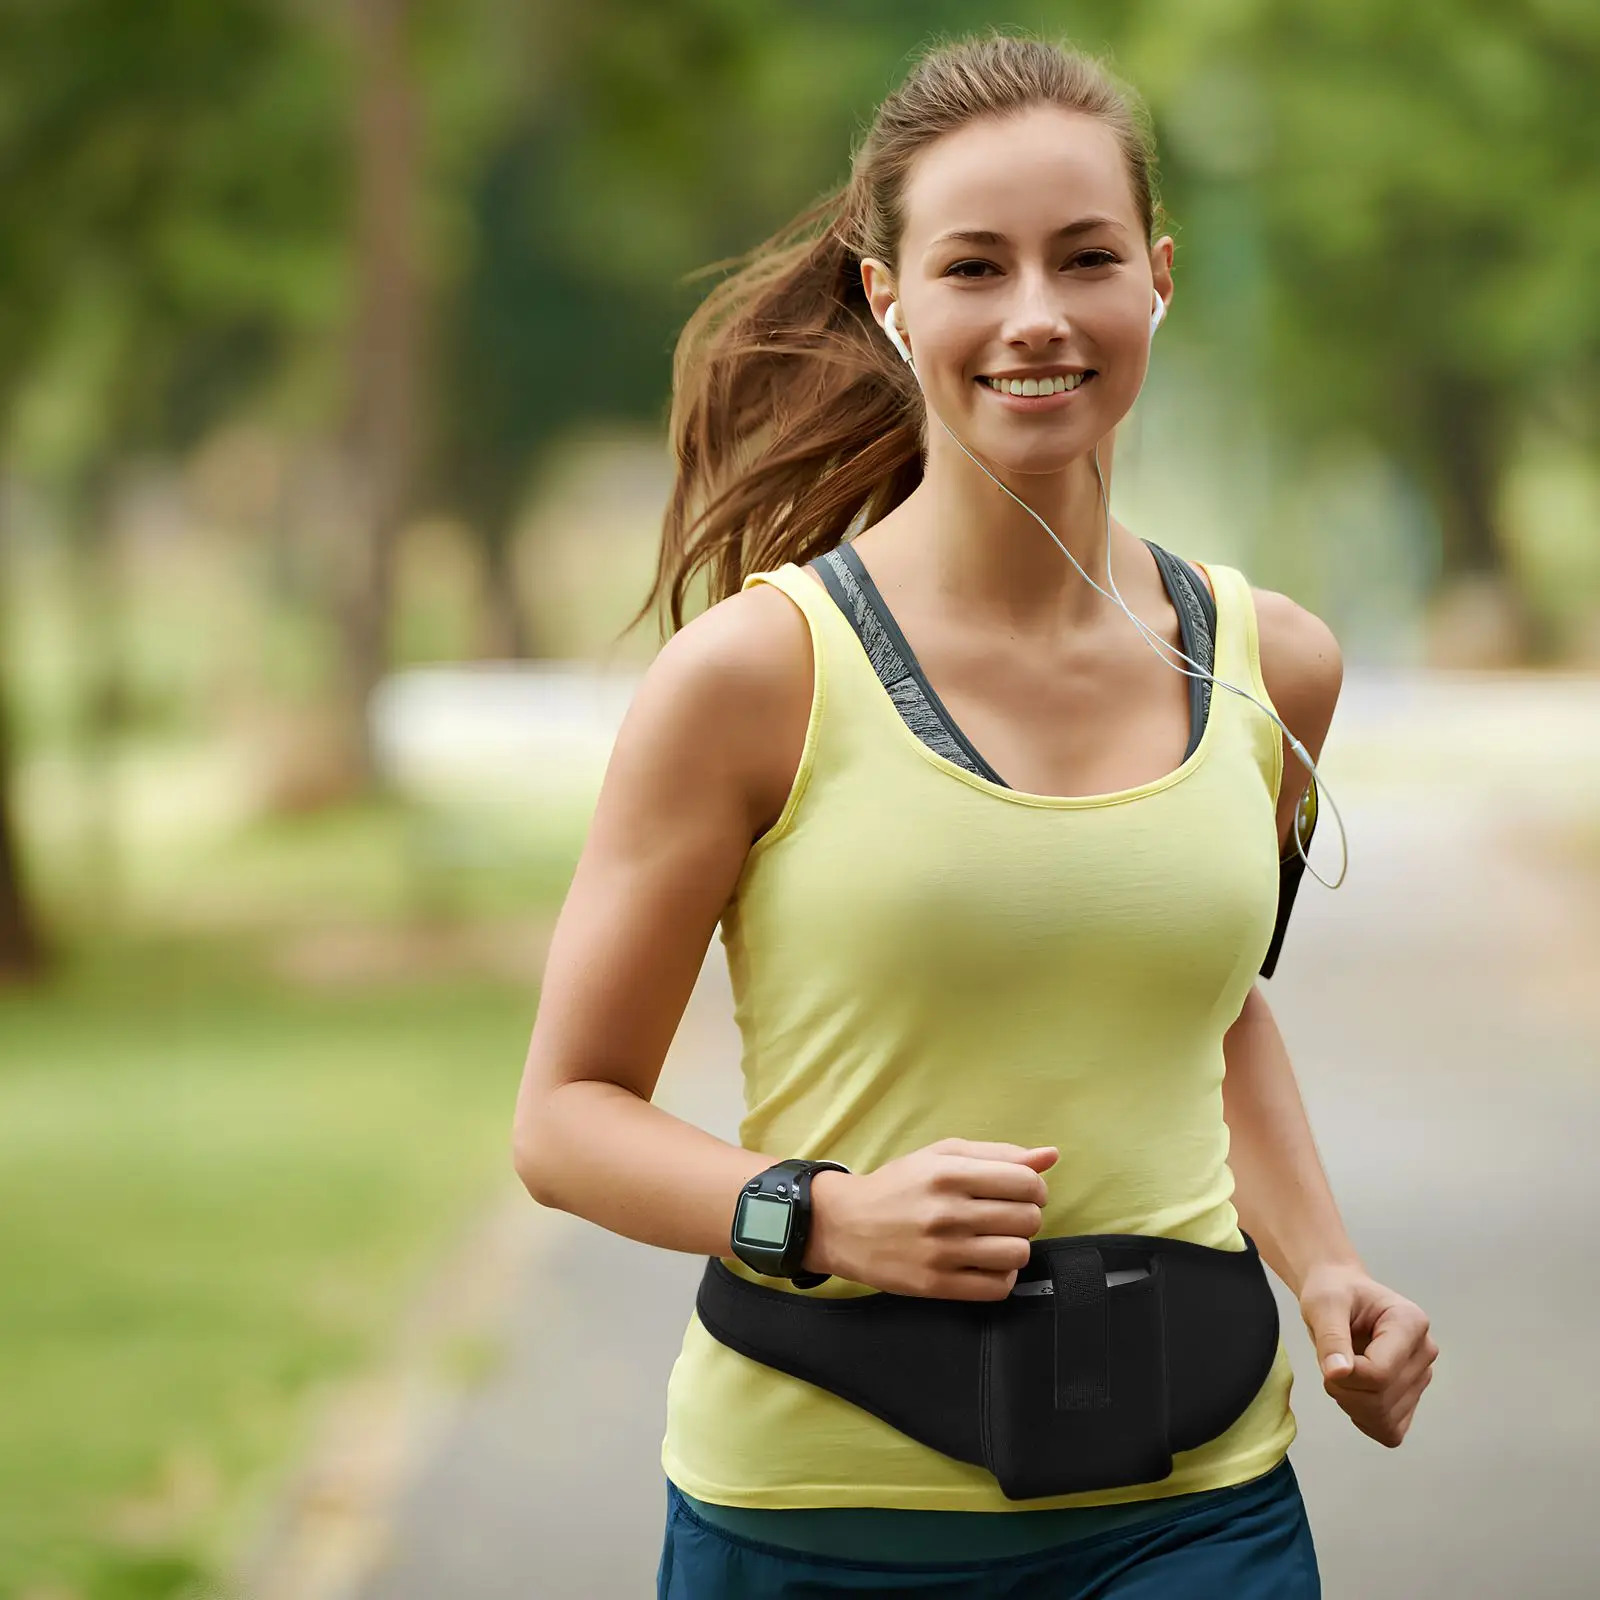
x=750 y=651
x=1301 y=663
x=733 y=689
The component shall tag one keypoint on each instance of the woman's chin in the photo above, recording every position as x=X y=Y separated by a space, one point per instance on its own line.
x=1033 y=458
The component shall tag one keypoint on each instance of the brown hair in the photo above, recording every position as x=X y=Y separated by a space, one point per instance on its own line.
x=792 y=417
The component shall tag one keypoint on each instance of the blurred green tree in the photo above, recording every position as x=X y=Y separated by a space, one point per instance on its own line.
x=643 y=143
x=1422 y=187
x=169 y=191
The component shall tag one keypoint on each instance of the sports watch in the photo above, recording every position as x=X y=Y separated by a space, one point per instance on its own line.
x=772 y=1221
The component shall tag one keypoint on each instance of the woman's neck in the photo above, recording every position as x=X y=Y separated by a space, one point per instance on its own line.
x=974 y=541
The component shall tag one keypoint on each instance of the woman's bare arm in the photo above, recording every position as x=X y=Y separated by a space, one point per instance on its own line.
x=701 y=766
x=1281 y=1192
x=1374 y=1347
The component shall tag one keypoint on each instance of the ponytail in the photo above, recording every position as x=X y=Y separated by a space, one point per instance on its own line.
x=792 y=418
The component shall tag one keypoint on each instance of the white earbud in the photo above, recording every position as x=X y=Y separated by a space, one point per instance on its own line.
x=1157 y=313
x=891 y=326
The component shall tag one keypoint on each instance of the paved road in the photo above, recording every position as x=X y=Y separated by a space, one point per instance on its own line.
x=1451 y=1063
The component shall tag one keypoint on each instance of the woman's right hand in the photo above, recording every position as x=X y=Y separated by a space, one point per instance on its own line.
x=951 y=1221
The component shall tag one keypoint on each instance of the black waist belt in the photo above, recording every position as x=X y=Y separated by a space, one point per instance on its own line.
x=1069 y=1385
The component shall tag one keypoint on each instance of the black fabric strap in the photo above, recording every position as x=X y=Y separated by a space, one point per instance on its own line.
x=1082 y=1335
x=1291 y=869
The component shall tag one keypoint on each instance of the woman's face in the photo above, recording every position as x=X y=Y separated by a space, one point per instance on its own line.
x=1024 y=257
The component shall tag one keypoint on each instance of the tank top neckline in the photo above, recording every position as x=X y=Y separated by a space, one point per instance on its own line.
x=819 y=598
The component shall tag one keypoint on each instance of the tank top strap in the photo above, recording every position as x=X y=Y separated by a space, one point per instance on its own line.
x=849 y=714
x=1238 y=661
x=833 y=644
x=828 y=629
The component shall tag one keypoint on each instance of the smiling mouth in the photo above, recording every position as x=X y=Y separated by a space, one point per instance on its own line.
x=1060 y=384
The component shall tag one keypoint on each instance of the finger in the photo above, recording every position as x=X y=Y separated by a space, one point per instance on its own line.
x=994 y=1180
x=1019 y=1218
x=1390 y=1350
x=1036 y=1156
x=968 y=1285
x=987 y=1254
x=1392 y=1422
x=1420 y=1388
x=1365 y=1382
x=1417 y=1376
x=1385 y=1417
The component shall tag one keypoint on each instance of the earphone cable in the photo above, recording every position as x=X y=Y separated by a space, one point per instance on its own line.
x=1155 y=640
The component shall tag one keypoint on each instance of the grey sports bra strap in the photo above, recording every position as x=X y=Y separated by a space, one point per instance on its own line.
x=896 y=667
x=920 y=708
x=1197 y=633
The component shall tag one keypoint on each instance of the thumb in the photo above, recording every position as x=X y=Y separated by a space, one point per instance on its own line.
x=1330 y=1332
x=1041 y=1158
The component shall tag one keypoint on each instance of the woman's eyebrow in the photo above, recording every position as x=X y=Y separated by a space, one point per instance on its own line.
x=983 y=236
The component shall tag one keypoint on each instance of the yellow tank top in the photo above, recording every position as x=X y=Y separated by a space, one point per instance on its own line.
x=918 y=953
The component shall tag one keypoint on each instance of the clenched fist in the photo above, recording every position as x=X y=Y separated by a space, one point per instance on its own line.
x=951 y=1221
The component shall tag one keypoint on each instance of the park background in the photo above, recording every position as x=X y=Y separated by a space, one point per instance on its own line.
x=335 y=346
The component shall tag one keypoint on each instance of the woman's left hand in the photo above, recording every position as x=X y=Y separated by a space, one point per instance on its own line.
x=1373 y=1349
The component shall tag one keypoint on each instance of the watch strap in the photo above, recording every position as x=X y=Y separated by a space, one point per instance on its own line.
x=800 y=1278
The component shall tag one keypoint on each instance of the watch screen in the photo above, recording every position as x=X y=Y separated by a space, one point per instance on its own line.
x=763 y=1221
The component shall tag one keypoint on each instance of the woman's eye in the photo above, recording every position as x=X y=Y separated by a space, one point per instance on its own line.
x=967 y=269
x=1094 y=258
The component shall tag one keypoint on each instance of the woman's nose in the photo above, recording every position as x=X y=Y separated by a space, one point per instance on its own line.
x=1037 y=316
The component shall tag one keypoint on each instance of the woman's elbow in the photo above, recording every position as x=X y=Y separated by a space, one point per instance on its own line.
x=531 y=1153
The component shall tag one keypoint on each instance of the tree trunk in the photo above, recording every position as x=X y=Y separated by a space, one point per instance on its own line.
x=1482 y=615
x=1464 y=434
x=505 y=631
x=22 y=953
x=382 y=435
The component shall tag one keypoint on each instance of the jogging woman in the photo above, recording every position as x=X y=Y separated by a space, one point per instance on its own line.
x=995 y=883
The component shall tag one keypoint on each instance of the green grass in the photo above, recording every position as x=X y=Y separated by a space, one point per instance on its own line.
x=216 y=1189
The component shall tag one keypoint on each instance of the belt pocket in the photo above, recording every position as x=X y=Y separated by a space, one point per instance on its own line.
x=1074 y=1377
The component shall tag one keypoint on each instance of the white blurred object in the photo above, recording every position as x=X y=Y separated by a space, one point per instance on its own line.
x=498 y=732
x=507 y=732
x=1527 y=744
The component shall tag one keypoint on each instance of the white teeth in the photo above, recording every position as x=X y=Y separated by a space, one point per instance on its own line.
x=1037 y=386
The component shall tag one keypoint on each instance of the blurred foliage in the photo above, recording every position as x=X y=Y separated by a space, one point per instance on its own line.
x=1412 y=197
x=1434 y=223
x=1390 y=216
x=172 y=213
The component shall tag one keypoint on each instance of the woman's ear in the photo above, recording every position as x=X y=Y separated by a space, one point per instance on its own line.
x=1161 y=268
x=877 y=283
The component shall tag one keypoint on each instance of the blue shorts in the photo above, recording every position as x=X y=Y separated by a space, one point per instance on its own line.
x=1252 y=1542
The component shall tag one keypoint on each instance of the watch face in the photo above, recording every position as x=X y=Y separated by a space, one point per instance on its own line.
x=762 y=1222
